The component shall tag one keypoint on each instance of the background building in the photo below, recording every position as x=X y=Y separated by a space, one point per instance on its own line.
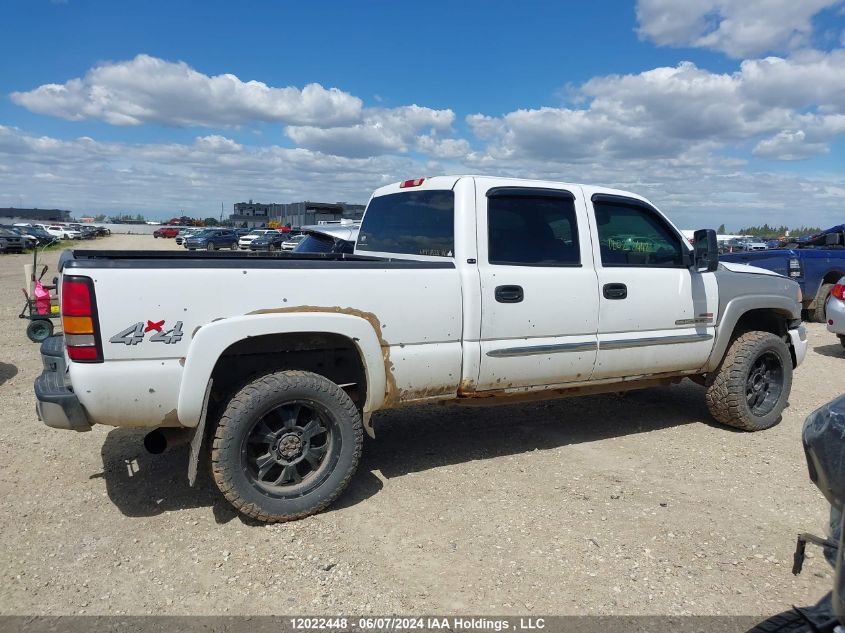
x=35 y=215
x=255 y=214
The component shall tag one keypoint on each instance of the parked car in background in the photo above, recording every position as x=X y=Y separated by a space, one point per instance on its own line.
x=291 y=241
x=63 y=232
x=181 y=235
x=11 y=242
x=835 y=310
x=166 y=232
x=102 y=231
x=816 y=264
x=271 y=241
x=245 y=240
x=84 y=230
x=336 y=238
x=28 y=240
x=42 y=237
x=212 y=240
x=755 y=245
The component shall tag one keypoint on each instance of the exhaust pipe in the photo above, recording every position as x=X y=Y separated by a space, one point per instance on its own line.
x=159 y=440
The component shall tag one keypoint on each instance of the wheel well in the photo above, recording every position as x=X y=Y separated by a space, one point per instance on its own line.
x=330 y=355
x=764 y=320
x=832 y=277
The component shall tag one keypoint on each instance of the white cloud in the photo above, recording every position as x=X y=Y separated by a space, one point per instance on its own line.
x=382 y=131
x=447 y=149
x=675 y=111
x=87 y=175
x=151 y=90
x=739 y=28
x=696 y=188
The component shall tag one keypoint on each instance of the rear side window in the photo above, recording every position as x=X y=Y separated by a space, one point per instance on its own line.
x=526 y=231
x=635 y=236
x=410 y=223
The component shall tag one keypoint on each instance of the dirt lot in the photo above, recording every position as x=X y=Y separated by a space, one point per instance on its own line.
x=635 y=505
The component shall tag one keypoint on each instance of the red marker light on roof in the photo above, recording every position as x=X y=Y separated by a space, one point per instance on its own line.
x=411 y=183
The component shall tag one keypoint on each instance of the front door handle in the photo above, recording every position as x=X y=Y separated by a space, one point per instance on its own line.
x=509 y=294
x=615 y=291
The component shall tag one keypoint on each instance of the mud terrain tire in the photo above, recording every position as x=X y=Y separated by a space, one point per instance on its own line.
x=750 y=388
x=286 y=446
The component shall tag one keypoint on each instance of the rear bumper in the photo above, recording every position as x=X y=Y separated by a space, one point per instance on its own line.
x=56 y=404
x=798 y=336
x=834 y=312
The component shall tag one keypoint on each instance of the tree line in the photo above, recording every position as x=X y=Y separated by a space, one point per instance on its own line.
x=773 y=232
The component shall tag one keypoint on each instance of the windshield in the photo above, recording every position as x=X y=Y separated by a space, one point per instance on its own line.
x=411 y=223
x=315 y=244
x=256 y=232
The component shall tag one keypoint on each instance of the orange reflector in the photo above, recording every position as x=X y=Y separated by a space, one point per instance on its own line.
x=78 y=325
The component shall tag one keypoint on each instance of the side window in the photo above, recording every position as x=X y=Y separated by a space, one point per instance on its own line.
x=634 y=236
x=532 y=231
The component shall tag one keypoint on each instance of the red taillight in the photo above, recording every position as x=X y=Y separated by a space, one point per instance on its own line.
x=411 y=183
x=79 y=320
x=839 y=291
x=83 y=354
x=76 y=298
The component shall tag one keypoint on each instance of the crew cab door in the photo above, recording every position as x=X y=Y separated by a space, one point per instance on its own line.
x=539 y=295
x=656 y=312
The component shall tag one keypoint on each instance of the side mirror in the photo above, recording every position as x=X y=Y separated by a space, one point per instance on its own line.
x=705 y=250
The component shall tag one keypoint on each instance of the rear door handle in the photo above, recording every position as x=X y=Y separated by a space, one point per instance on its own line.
x=615 y=291
x=509 y=294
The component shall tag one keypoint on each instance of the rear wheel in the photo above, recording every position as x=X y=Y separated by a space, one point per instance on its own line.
x=842 y=340
x=817 y=314
x=751 y=386
x=286 y=446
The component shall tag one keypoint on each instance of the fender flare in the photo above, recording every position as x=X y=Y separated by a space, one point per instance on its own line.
x=211 y=340
x=739 y=306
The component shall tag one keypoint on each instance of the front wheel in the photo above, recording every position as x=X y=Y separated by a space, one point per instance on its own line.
x=209 y=247
x=751 y=386
x=842 y=340
x=286 y=446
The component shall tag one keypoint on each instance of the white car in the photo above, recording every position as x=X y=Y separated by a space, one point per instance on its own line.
x=181 y=235
x=834 y=311
x=292 y=242
x=63 y=232
x=245 y=240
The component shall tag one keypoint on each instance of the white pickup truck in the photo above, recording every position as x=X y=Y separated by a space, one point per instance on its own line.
x=465 y=289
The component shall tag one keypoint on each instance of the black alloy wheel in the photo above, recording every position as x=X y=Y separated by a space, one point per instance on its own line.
x=764 y=385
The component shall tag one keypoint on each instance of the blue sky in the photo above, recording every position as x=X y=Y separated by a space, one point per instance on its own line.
x=714 y=109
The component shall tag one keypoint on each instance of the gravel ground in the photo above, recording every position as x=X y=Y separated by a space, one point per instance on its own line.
x=607 y=504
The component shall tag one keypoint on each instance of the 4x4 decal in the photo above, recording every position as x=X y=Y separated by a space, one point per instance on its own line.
x=134 y=334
